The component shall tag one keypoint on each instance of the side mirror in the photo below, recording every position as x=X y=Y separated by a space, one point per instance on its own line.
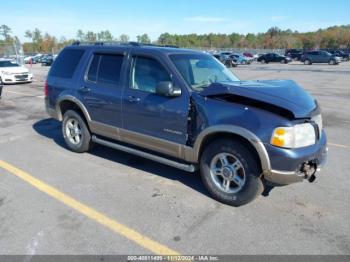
x=166 y=88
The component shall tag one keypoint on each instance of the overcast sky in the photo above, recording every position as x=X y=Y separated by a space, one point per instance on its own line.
x=134 y=17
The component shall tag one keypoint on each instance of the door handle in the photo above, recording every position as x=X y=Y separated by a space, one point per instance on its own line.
x=85 y=89
x=133 y=99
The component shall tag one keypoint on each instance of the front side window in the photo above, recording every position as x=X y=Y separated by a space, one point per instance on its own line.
x=147 y=73
x=105 y=69
x=199 y=71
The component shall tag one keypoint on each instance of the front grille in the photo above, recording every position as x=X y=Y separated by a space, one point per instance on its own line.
x=21 y=77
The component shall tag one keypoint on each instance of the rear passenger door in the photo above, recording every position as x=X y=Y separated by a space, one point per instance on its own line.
x=102 y=88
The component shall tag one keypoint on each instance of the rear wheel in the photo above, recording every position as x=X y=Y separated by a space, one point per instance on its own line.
x=263 y=61
x=307 y=62
x=75 y=132
x=332 y=62
x=230 y=172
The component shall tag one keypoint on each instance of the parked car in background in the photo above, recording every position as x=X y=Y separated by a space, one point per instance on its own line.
x=241 y=59
x=344 y=56
x=30 y=59
x=319 y=56
x=47 y=60
x=226 y=59
x=249 y=55
x=11 y=73
x=274 y=58
x=294 y=54
x=39 y=57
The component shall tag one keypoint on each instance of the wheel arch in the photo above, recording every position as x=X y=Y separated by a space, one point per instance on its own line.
x=67 y=102
x=249 y=139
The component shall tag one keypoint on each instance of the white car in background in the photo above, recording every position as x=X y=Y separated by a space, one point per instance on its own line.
x=11 y=73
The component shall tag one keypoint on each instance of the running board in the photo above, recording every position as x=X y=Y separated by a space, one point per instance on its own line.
x=186 y=167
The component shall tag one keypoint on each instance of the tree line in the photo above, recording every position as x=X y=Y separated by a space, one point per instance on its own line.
x=274 y=38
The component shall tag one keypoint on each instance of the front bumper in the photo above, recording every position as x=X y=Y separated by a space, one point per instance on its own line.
x=17 y=78
x=287 y=165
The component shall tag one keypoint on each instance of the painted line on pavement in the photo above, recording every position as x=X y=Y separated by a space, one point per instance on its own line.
x=91 y=213
x=338 y=145
x=23 y=94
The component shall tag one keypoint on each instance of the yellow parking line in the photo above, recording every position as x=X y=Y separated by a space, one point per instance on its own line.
x=102 y=219
x=338 y=145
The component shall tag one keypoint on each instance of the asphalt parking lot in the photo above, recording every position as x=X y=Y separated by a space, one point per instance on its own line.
x=53 y=201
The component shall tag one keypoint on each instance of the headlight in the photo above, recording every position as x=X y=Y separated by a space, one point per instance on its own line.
x=6 y=73
x=300 y=135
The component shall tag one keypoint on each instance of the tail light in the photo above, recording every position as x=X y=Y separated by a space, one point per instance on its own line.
x=46 y=89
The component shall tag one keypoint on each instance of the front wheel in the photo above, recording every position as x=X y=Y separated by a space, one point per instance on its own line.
x=230 y=172
x=332 y=62
x=75 y=132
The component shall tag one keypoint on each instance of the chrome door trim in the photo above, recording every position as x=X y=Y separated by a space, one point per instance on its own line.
x=149 y=142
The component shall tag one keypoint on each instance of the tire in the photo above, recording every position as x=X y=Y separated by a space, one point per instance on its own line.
x=332 y=62
x=307 y=62
x=81 y=144
x=263 y=61
x=249 y=185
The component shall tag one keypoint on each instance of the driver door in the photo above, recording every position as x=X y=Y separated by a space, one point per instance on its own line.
x=151 y=120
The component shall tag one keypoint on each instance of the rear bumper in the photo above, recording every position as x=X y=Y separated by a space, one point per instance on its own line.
x=287 y=164
x=49 y=110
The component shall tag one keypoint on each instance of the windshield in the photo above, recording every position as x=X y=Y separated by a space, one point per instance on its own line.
x=201 y=70
x=7 y=64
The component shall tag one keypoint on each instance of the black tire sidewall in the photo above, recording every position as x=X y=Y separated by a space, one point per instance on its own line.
x=85 y=142
x=253 y=185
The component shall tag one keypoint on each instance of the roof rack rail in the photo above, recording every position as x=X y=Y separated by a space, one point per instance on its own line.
x=120 y=43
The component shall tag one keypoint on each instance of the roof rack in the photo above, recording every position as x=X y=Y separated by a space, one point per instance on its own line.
x=120 y=43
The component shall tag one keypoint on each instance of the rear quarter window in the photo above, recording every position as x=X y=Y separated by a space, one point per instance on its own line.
x=66 y=63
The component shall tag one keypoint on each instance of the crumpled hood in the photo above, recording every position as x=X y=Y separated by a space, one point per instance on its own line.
x=284 y=94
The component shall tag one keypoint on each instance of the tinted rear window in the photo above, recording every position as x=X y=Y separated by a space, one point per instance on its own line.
x=105 y=69
x=109 y=70
x=66 y=63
